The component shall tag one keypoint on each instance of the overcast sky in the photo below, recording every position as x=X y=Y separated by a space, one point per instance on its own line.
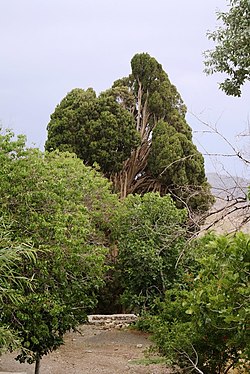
x=49 y=47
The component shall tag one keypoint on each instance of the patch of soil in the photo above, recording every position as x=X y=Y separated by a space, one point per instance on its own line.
x=93 y=350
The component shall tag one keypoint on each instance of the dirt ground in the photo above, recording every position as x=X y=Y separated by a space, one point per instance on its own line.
x=93 y=350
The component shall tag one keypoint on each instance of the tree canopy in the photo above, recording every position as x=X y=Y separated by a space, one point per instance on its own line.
x=60 y=206
x=96 y=129
x=232 y=52
x=123 y=130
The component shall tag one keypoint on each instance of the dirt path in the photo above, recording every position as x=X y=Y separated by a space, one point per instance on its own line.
x=94 y=350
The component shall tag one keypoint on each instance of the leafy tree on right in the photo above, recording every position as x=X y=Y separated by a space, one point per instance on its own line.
x=203 y=326
x=232 y=52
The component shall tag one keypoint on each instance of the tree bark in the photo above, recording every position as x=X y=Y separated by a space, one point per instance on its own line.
x=133 y=177
x=37 y=367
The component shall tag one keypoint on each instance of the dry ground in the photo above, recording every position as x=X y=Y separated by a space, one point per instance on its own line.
x=93 y=350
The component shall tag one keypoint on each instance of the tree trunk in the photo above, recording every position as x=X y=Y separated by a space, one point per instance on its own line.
x=132 y=178
x=37 y=367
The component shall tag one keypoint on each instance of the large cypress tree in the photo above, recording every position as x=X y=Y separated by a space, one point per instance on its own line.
x=136 y=131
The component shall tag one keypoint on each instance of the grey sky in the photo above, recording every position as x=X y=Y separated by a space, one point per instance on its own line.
x=49 y=47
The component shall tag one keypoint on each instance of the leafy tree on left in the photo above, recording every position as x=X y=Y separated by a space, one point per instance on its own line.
x=61 y=207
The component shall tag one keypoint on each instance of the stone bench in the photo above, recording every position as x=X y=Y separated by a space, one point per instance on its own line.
x=112 y=320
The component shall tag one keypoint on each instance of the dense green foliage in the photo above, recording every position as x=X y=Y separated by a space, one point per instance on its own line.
x=123 y=130
x=166 y=138
x=11 y=280
x=149 y=234
x=205 y=324
x=232 y=52
x=65 y=210
x=175 y=162
x=60 y=206
x=153 y=91
x=96 y=129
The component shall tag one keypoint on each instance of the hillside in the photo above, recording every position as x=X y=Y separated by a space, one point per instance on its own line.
x=231 y=211
x=228 y=187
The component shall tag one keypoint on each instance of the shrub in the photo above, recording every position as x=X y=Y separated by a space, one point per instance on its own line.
x=205 y=325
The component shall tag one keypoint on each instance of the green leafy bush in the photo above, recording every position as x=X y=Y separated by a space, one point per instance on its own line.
x=205 y=325
x=149 y=233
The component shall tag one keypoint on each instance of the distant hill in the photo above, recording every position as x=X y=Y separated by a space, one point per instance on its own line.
x=231 y=211
x=228 y=187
